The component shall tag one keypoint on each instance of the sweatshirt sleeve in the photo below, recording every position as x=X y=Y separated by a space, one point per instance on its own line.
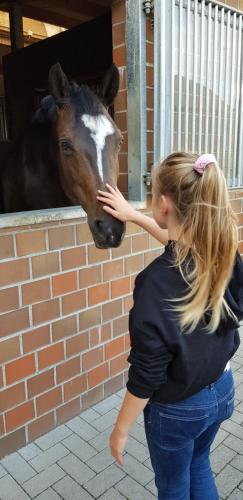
x=149 y=355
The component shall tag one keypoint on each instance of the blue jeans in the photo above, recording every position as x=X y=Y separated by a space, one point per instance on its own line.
x=179 y=437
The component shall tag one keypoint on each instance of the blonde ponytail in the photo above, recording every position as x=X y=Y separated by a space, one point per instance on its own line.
x=208 y=231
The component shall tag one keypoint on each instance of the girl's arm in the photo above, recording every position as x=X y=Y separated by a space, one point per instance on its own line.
x=128 y=414
x=116 y=205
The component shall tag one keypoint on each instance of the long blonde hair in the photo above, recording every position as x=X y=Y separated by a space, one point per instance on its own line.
x=208 y=231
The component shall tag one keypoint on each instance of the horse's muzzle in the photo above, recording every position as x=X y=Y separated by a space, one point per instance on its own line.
x=107 y=233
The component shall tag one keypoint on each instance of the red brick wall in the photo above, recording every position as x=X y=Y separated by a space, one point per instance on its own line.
x=63 y=323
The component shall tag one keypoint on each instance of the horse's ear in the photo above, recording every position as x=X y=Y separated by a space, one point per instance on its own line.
x=110 y=86
x=58 y=82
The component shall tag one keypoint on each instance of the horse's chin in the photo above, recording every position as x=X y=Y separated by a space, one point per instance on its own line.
x=105 y=245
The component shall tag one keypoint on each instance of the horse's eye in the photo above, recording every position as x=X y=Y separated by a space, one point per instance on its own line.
x=66 y=146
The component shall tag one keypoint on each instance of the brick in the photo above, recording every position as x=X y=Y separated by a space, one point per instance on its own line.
x=49 y=400
x=41 y=426
x=37 y=338
x=105 y=479
x=94 y=336
x=12 y=397
x=79 y=447
x=119 y=58
x=150 y=99
x=227 y=480
x=118 y=12
x=68 y=369
x=61 y=237
x=98 y=375
x=53 y=437
x=48 y=457
x=9 y=299
x=114 y=348
x=36 y=291
x=51 y=355
x=74 y=387
x=10 y=349
x=45 y=311
x=14 y=271
x=133 y=264
x=120 y=325
x=20 y=368
x=77 y=344
x=1 y=377
x=105 y=332
x=92 y=358
x=14 y=321
x=18 y=468
x=112 y=309
x=123 y=183
x=74 y=302
x=150 y=256
x=123 y=161
x=43 y=480
x=120 y=287
x=150 y=79
x=11 y=442
x=113 y=385
x=19 y=416
x=97 y=255
x=89 y=318
x=76 y=469
x=98 y=293
x=90 y=276
x=112 y=269
x=121 y=98
x=73 y=258
x=30 y=242
x=140 y=242
x=67 y=486
x=83 y=234
x=40 y=383
x=118 y=364
x=2 y=427
x=64 y=328
x=128 y=303
x=118 y=34
x=91 y=397
x=6 y=247
x=64 y=283
x=127 y=342
x=123 y=249
x=67 y=411
x=44 y=265
x=121 y=122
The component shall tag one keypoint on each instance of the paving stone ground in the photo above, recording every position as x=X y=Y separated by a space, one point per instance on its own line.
x=73 y=462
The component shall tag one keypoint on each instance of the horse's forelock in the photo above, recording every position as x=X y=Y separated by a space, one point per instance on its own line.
x=46 y=110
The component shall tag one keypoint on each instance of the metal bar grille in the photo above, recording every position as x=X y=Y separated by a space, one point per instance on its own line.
x=200 y=82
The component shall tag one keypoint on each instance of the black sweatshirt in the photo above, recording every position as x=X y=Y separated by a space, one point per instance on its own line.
x=166 y=365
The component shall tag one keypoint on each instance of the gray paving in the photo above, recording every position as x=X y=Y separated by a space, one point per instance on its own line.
x=74 y=461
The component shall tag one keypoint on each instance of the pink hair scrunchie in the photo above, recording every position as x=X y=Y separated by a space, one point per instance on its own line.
x=202 y=162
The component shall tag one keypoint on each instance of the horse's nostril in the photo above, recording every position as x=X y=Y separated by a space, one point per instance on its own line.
x=99 y=224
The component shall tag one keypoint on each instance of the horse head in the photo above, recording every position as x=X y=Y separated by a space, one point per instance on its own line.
x=88 y=143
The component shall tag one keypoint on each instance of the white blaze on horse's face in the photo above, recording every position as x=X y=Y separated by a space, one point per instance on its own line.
x=100 y=127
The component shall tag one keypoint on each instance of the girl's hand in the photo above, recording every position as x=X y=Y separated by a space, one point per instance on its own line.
x=115 y=204
x=117 y=444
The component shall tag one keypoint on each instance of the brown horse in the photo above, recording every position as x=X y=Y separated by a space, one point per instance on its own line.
x=69 y=151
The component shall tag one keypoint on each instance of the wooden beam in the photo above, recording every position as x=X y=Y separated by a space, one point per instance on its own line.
x=16 y=26
x=72 y=8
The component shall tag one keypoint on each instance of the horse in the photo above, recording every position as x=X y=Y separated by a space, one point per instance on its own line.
x=68 y=151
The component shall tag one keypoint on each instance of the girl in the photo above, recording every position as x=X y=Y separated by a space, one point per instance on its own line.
x=183 y=324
